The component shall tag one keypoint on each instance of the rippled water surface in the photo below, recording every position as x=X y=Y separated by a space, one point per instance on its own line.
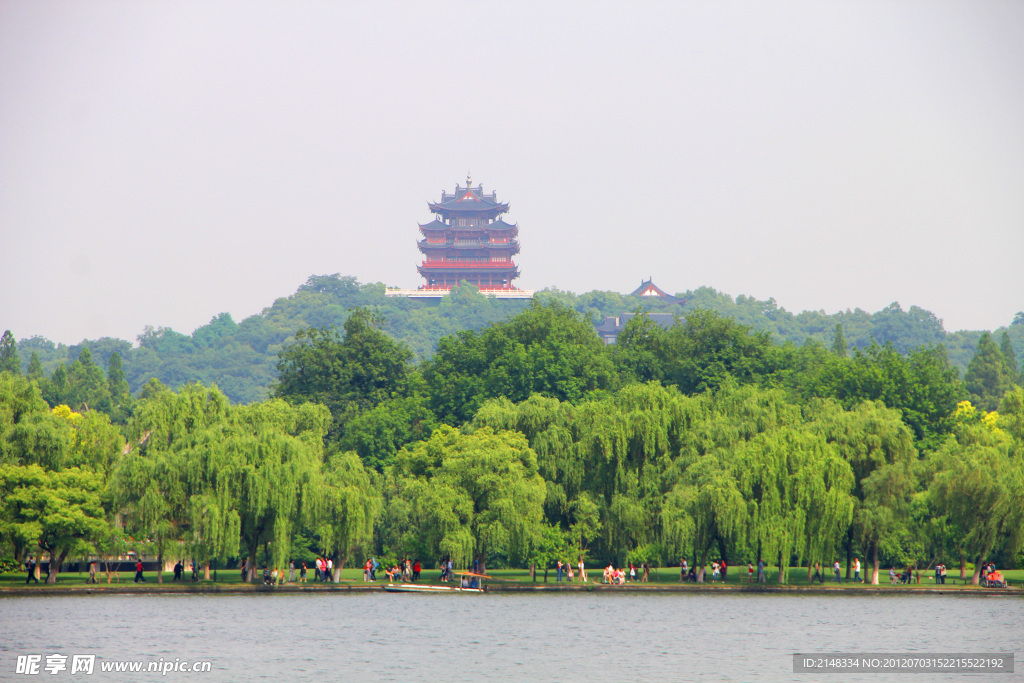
x=565 y=637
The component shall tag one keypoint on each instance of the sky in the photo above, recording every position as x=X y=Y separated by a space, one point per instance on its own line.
x=162 y=162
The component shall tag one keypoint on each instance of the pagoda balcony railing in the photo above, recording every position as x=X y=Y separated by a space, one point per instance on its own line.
x=477 y=245
x=506 y=265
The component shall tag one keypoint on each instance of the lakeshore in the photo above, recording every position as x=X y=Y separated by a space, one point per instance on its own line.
x=500 y=586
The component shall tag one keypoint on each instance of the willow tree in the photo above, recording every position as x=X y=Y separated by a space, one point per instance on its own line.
x=706 y=511
x=163 y=481
x=475 y=493
x=797 y=489
x=271 y=457
x=981 y=490
x=345 y=507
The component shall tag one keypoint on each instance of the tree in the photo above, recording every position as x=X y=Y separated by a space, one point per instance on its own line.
x=980 y=490
x=987 y=377
x=35 y=368
x=9 y=353
x=638 y=352
x=117 y=388
x=839 y=342
x=474 y=493
x=1013 y=368
x=346 y=508
x=549 y=349
x=349 y=374
x=707 y=348
x=921 y=385
x=87 y=385
x=61 y=511
x=378 y=434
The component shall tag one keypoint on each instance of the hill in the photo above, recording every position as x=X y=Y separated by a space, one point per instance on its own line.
x=241 y=357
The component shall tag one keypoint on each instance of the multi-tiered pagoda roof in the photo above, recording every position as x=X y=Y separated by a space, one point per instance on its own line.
x=469 y=241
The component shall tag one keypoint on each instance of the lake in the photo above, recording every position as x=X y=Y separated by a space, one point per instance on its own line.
x=562 y=637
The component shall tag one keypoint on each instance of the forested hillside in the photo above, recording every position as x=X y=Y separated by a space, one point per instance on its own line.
x=241 y=357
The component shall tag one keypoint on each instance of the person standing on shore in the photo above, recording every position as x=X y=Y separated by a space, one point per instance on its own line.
x=558 y=576
x=583 y=571
x=682 y=570
x=836 y=571
x=291 y=571
x=856 y=570
x=760 y=570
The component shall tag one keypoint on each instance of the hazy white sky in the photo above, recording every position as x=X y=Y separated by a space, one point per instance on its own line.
x=161 y=162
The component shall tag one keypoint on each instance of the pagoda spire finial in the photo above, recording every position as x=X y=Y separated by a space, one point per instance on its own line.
x=469 y=180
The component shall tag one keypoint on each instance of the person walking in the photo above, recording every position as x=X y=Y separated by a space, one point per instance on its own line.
x=558 y=576
x=760 y=570
x=291 y=571
x=856 y=570
x=682 y=570
x=138 y=573
x=30 y=565
x=583 y=571
x=835 y=569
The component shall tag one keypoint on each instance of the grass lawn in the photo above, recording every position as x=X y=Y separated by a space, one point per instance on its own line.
x=662 y=576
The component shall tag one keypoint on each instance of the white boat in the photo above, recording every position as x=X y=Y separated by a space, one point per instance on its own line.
x=427 y=588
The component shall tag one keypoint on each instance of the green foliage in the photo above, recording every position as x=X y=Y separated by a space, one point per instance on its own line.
x=349 y=375
x=979 y=489
x=9 y=361
x=989 y=374
x=60 y=511
x=475 y=493
x=921 y=385
x=548 y=349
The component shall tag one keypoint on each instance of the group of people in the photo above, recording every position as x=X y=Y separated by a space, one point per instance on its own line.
x=276 y=577
x=719 y=571
x=565 y=570
x=405 y=570
x=619 y=577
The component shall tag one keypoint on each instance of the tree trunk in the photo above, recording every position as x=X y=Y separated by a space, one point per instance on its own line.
x=963 y=566
x=874 y=563
x=700 y=574
x=782 y=570
x=51 y=575
x=533 y=572
x=251 y=562
x=160 y=565
x=339 y=562
x=849 y=551
x=976 y=577
x=206 y=570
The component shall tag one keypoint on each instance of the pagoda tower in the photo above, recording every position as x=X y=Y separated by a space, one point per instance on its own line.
x=468 y=240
